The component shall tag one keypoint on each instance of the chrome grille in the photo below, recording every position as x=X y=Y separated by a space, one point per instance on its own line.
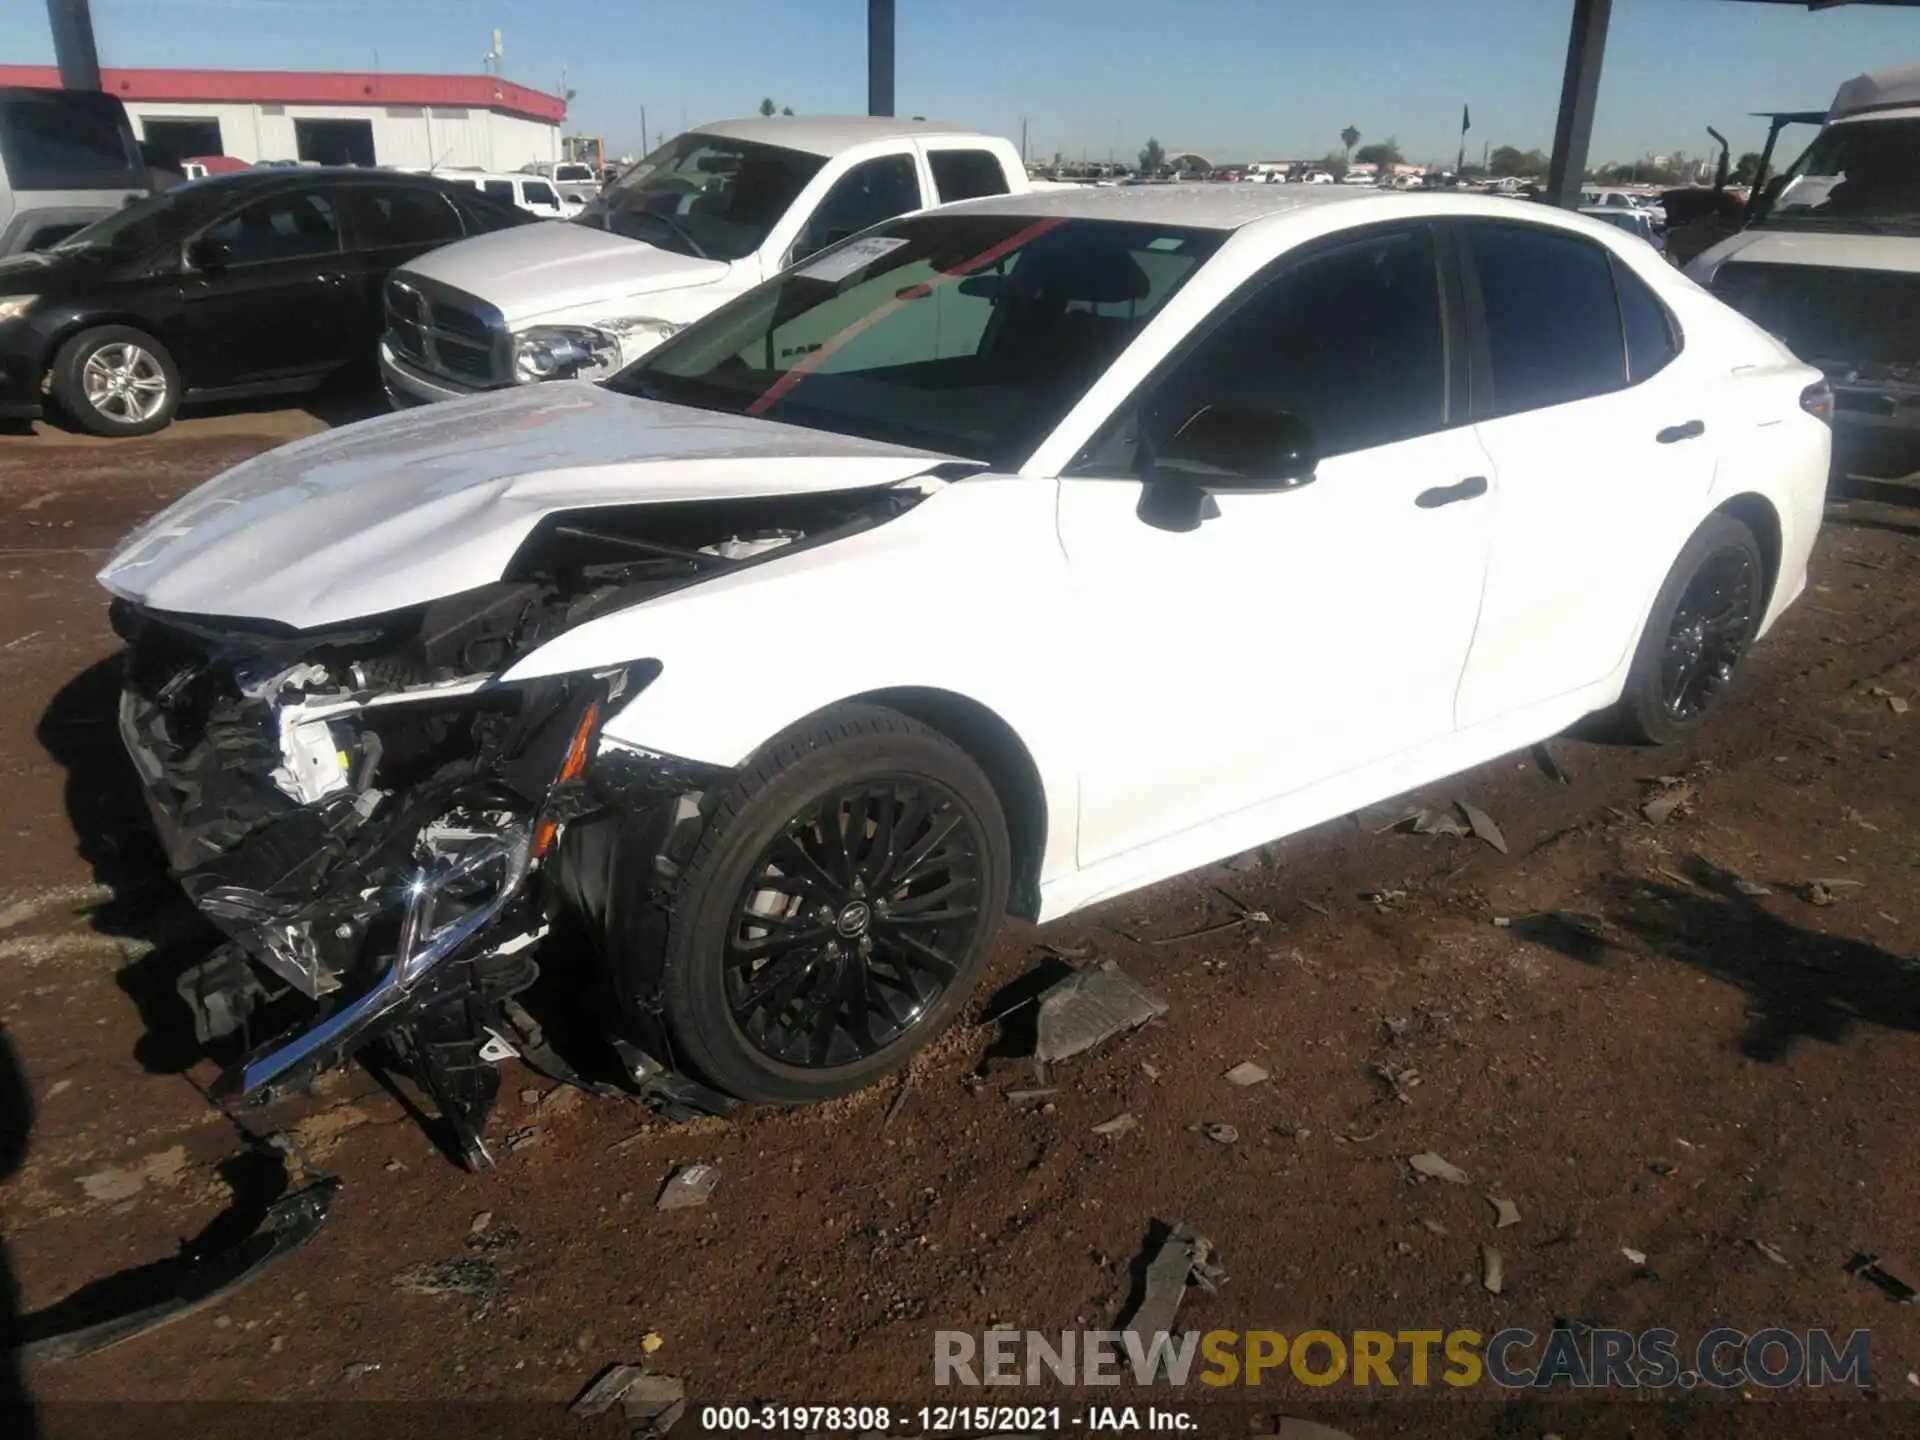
x=446 y=333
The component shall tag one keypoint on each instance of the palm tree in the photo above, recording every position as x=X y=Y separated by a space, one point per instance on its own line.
x=766 y=107
x=1349 y=137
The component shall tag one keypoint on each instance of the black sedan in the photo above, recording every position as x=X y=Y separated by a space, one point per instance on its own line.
x=246 y=284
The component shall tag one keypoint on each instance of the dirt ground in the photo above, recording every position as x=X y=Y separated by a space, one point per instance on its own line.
x=1724 y=1059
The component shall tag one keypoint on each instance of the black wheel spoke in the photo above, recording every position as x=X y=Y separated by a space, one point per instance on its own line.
x=834 y=978
x=1708 y=634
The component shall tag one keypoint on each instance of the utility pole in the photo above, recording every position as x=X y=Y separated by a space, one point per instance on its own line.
x=72 y=24
x=1023 y=139
x=880 y=57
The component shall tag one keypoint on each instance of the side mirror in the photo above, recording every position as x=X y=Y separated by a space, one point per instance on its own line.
x=1220 y=450
x=209 y=254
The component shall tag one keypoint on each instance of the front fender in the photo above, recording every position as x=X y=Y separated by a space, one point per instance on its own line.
x=966 y=593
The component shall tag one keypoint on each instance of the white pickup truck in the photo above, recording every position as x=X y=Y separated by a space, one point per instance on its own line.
x=704 y=218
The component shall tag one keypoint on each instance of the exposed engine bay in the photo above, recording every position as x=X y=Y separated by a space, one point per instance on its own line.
x=396 y=842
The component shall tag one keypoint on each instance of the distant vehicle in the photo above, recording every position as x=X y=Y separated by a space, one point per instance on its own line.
x=531 y=193
x=1830 y=260
x=67 y=157
x=218 y=165
x=1633 y=221
x=1359 y=177
x=264 y=281
x=1317 y=177
x=700 y=221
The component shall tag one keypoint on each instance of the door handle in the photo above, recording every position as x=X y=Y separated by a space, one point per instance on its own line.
x=1471 y=488
x=1682 y=432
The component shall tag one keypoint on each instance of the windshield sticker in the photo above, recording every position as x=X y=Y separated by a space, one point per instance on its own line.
x=849 y=258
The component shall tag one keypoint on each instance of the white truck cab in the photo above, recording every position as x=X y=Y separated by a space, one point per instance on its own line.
x=704 y=218
x=534 y=194
x=1829 y=261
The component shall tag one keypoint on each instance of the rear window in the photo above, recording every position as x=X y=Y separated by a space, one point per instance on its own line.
x=499 y=189
x=58 y=140
x=966 y=174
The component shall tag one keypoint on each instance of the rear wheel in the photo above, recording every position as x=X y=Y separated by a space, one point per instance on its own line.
x=1699 y=631
x=839 y=909
x=115 y=380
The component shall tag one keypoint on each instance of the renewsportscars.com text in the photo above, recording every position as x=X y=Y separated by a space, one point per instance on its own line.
x=1514 y=1359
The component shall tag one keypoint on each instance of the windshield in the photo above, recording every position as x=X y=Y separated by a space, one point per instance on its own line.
x=704 y=195
x=970 y=334
x=1861 y=175
x=65 y=140
x=156 y=220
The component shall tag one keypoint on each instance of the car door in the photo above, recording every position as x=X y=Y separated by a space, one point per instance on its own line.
x=388 y=225
x=1297 y=635
x=267 y=292
x=871 y=191
x=1599 y=435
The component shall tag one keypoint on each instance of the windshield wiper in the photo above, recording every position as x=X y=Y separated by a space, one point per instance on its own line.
x=673 y=225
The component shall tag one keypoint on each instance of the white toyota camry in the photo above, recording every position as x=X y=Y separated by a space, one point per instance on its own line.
x=1009 y=556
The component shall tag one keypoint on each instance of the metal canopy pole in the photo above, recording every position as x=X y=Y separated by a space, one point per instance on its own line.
x=1586 y=46
x=72 y=24
x=880 y=57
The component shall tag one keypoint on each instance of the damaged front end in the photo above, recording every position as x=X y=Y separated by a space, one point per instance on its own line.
x=376 y=820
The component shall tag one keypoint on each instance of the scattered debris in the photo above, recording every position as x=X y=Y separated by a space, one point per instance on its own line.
x=1817 y=894
x=1505 y=1210
x=1245 y=916
x=609 y=1387
x=1483 y=826
x=520 y=1139
x=1038 y=1092
x=1245 y=1073
x=1772 y=1254
x=1219 y=1131
x=1663 y=1167
x=1385 y=900
x=1897 y=704
x=1751 y=888
x=1429 y=1164
x=448 y=1277
x=687 y=1187
x=1089 y=1006
x=1397 y=1080
x=1638 y=1257
x=1869 y=1268
x=1315 y=906
x=1118 y=1125
x=651 y=1341
x=899 y=1099
x=1394 y=1026
x=1493 y=1270
x=359 y=1369
x=1184 y=1258
x=1435 y=1226
x=1433 y=820
x=1151 y=1071
x=654 y=1404
x=1672 y=796
x=1071 y=954
x=480 y=1223
x=529 y=1097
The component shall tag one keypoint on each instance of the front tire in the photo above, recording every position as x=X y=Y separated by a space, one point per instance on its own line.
x=115 y=380
x=1701 y=626
x=838 y=910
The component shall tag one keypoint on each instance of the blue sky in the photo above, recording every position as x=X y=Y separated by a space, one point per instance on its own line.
x=1235 y=79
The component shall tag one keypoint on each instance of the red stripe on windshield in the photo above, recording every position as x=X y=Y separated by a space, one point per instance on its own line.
x=807 y=363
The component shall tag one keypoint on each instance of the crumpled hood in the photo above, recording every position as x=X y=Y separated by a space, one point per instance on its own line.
x=533 y=270
x=1834 y=249
x=429 y=502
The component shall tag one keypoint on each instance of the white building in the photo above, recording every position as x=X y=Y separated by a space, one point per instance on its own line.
x=408 y=121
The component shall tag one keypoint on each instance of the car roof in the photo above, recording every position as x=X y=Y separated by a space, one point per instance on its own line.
x=829 y=134
x=1239 y=207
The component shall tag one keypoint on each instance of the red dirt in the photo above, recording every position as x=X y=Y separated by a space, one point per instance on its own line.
x=1719 y=1068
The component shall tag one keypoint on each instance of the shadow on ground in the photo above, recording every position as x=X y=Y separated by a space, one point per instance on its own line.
x=1802 y=984
x=80 y=732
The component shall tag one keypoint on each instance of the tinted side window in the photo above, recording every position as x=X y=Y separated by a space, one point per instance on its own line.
x=281 y=227
x=1349 y=341
x=499 y=189
x=399 y=216
x=1553 y=325
x=62 y=140
x=539 y=192
x=867 y=194
x=966 y=174
x=1651 y=341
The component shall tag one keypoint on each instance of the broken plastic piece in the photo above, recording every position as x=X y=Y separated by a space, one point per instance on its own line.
x=688 y=1186
x=144 y=1299
x=1869 y=1268
x=609 y=1387
x=1089 y=1006
x=1184 y=1258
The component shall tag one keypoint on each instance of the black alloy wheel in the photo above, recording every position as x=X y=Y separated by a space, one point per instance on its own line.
x=854 y=921
x=835 y=913
x=1697 y=634
x=1709 y=633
